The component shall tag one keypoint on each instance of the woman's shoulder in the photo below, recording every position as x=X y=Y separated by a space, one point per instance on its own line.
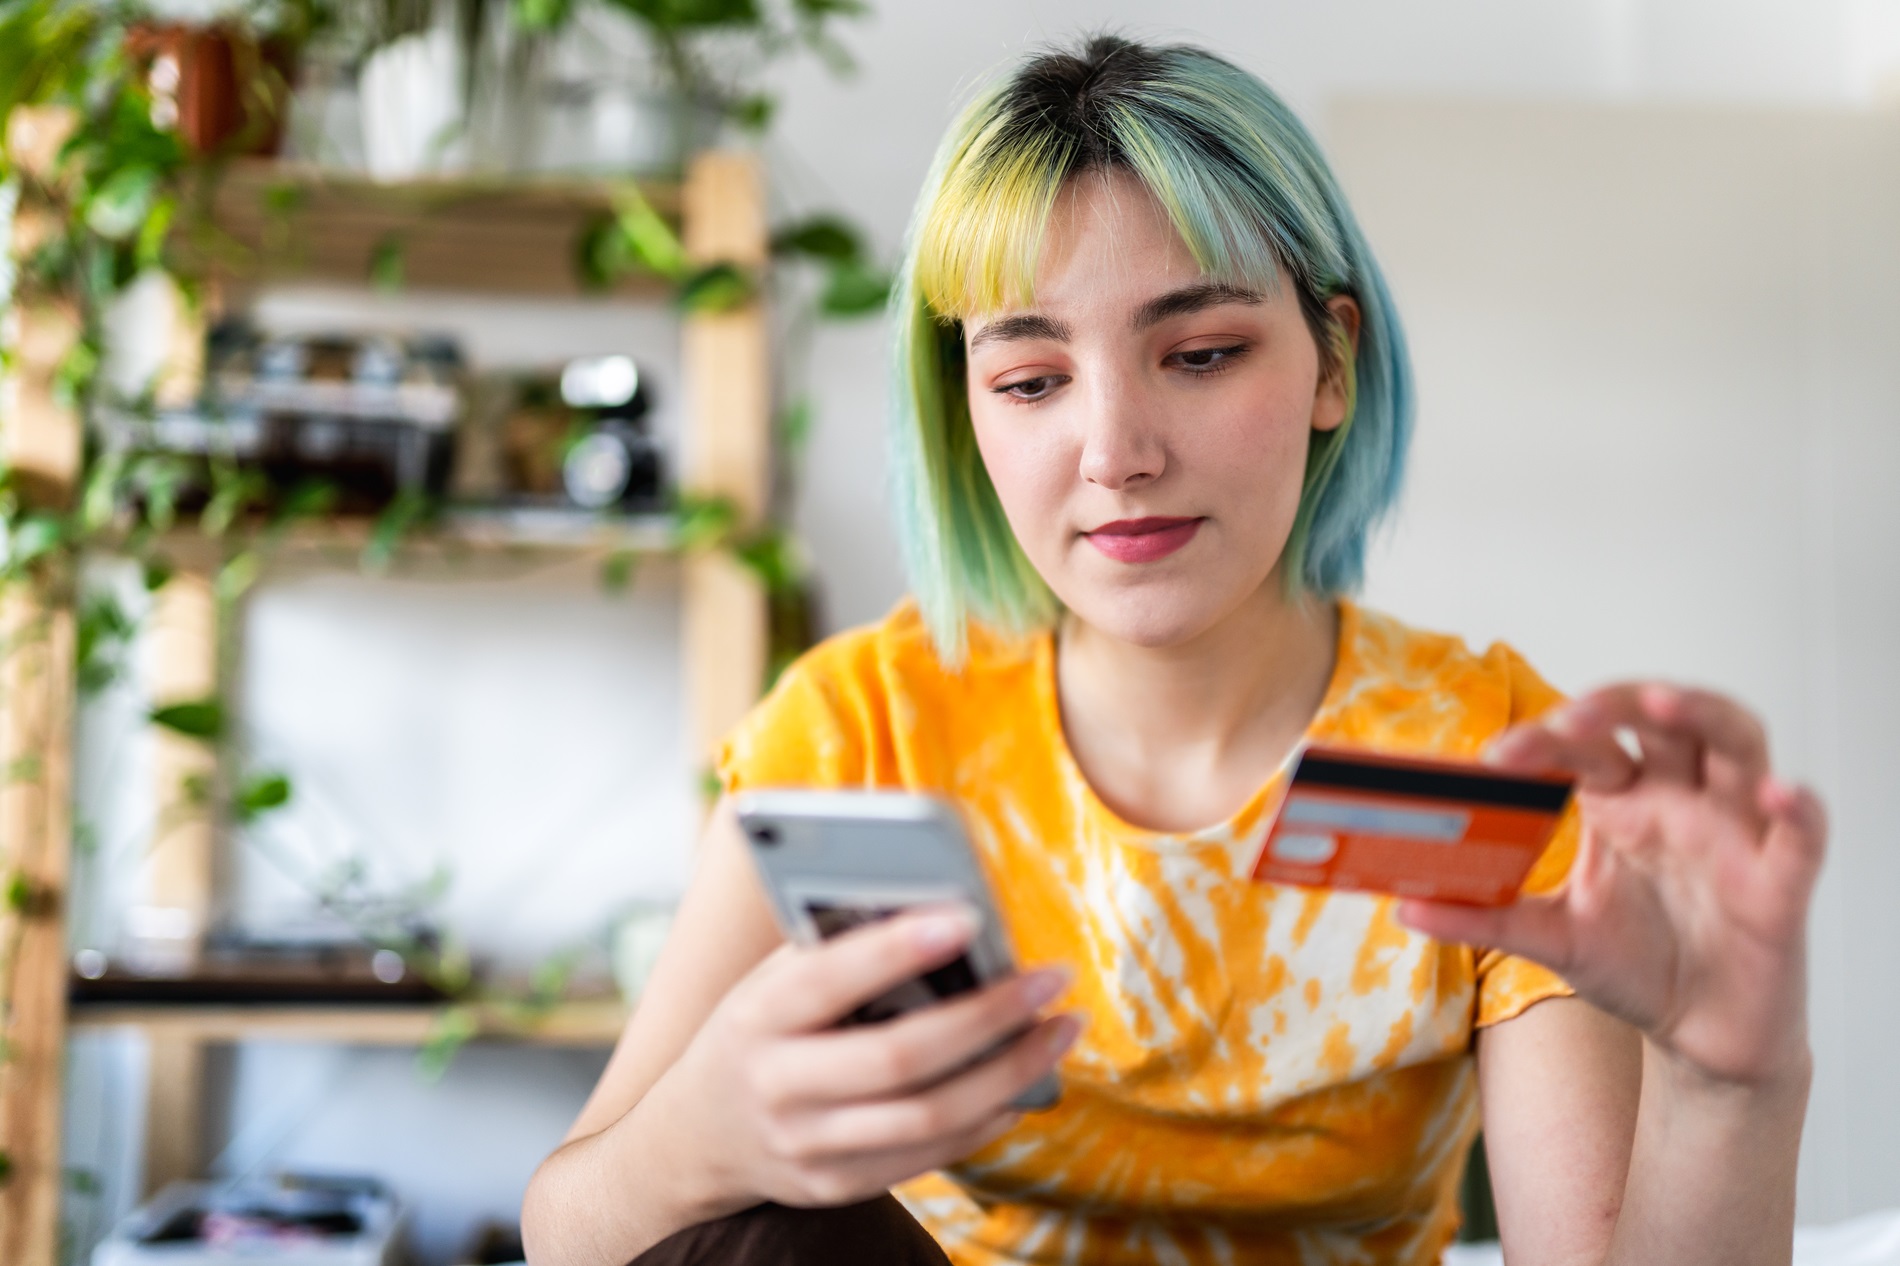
x=849 y=707
x=1418 y=681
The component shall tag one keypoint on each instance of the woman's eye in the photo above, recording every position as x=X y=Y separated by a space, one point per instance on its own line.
x=1029 y=388
x=1209 y=359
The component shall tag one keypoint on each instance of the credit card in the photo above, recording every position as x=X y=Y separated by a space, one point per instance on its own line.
x=1443 y=830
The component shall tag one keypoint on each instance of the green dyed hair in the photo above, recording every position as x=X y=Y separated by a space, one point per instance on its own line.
x=1248 y=191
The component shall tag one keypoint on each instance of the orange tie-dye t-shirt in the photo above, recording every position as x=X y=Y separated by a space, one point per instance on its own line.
x=1267 y=1074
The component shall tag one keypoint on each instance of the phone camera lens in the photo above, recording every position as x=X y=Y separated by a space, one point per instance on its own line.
x=765 y=836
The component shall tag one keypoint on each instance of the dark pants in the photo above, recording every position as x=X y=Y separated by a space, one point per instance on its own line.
x=878 y=1232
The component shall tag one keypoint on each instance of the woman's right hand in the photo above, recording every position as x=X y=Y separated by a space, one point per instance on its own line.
x=778 y=1104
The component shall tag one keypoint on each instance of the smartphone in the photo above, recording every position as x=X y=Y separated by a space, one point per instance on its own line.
x=835 y=860
x=1444 y=830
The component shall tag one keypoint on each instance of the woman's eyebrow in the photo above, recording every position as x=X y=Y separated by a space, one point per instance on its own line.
x=1202 y=294
x=1011 y=329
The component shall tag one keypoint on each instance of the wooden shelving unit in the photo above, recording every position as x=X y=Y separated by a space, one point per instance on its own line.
x=277 y=222
x=579 y=1024
x=274 y=223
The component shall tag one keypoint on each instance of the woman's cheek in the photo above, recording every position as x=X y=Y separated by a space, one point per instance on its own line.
x=1027 y=470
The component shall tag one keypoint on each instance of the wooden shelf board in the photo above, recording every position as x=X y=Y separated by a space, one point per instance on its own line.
x=534 y=534
x=467 y=234
x=575 y=1024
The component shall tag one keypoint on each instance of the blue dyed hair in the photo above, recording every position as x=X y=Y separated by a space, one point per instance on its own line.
x=1245 y=186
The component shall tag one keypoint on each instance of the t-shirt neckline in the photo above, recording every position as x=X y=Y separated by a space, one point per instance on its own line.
x=1222 y=834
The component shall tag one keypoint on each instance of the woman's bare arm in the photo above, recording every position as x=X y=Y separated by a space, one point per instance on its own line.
x=733 y=1084
x=724 y=927
x=1559 y=1086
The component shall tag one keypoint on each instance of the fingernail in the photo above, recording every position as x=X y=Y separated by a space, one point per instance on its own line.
x=1062 y=1034
x=946 y=929
x=1045 y=986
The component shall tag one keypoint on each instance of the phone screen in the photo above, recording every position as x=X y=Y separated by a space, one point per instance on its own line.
x=957 y=976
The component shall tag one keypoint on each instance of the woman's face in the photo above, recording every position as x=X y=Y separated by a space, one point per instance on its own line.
x=1145 y=428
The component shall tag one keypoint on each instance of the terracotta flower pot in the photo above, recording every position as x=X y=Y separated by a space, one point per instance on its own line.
x=219 y=86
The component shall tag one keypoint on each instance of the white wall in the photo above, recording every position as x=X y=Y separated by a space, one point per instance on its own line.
x=447 y=713
x=1658 y=438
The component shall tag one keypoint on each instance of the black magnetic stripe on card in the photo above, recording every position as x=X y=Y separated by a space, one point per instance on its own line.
x=1427 y=784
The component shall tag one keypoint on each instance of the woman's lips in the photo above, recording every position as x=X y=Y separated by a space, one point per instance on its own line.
x=1142 y=540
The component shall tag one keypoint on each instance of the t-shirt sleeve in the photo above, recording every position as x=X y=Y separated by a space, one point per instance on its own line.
x=1509 y=985
x=808 y=731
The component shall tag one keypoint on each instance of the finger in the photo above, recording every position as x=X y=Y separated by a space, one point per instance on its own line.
x=1537 y=928
x=1731 y=735
x=950 y=1108
x=1668 y=752
x=1554 y=744
x=1796 y=838
x=883 y=1060
x=813 y=987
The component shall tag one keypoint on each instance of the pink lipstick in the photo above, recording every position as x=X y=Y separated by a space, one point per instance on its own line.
x=1143 y=540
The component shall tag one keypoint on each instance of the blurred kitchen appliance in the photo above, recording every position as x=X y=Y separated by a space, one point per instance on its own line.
x=373 y=415
x=583 y=439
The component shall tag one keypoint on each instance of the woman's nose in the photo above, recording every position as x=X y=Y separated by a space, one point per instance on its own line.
x=1121 y=447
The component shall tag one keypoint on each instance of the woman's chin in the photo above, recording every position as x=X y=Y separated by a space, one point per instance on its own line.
x=1153 y=619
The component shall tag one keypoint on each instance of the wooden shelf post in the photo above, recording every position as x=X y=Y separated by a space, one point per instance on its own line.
x=179 y=877
x=41 y=441
x=726 y=368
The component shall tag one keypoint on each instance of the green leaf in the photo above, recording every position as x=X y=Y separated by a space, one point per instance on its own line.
x=649 y=238
x=855 y=290
x=24 y=768
x=118 y=207
x=259 y=794
x=794 y=426
x=234 y=492
x=715 y=288
x=386 y=264
x=541 y=16
x=817 y=10
x=452 y=1030
x=196 y=718
x=195 y=790
x=618 y=570
x=99 y=500
x=754 y=113
x=308 y=499
x=771 y=557
x=157 y=572
x=31 y=539
x=685 y=15
x=150 y=248
x=19 y=892
x=602 y=254
x=398 y=517
x=103 y=629
x=826 y=237
x=700 y=522
x=236 y=577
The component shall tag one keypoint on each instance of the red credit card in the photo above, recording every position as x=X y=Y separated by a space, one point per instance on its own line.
x=1444 y=830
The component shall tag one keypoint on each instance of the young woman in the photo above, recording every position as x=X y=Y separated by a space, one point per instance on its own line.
x=1151 y=396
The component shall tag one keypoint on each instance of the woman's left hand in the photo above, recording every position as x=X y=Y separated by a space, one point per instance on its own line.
x=1685 y=913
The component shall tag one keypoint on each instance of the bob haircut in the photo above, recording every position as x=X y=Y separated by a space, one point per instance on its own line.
x=1250 y=195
